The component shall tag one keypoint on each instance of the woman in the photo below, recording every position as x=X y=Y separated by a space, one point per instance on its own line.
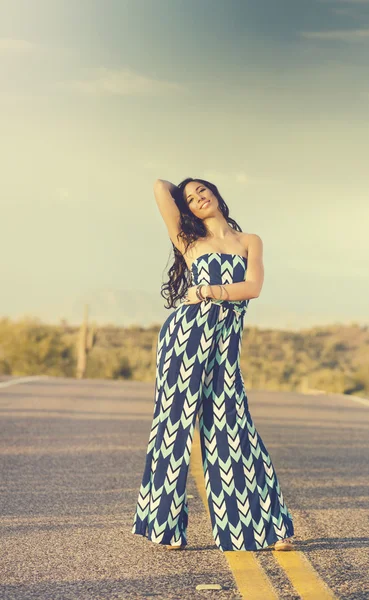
x=216 y=271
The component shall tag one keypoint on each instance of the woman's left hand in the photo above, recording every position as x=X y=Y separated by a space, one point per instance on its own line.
x=191 y=297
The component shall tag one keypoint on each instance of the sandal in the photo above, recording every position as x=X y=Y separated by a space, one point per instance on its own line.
x=285 y=544
x=181 y=547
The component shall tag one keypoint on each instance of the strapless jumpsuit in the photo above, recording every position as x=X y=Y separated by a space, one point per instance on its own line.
x=198 y=373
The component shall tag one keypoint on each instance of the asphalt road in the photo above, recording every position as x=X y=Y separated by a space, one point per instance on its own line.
x=72 y=457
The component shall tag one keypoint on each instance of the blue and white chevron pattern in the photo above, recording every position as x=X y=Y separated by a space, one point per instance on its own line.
x=198 y=375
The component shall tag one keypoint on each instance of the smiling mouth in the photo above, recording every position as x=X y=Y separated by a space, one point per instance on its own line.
x=205 y=204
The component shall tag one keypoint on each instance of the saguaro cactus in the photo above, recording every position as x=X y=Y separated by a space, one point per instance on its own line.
x=86 y=341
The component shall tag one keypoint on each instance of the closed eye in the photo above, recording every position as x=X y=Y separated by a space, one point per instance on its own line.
x=202 y=189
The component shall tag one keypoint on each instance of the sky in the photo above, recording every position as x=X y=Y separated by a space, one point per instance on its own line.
x=99 y=98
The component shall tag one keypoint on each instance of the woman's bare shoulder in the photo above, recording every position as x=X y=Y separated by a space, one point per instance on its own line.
x=249 y=238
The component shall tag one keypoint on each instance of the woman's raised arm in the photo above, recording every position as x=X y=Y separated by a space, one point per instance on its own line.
x=168 y=209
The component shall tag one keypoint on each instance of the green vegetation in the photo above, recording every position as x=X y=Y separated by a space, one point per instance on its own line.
x=332 y=358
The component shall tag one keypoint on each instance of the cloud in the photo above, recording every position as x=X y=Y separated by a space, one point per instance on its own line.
x=120 y=82
x=344 y=35
x=213 y=175
x=240 y=177
x=62 y=194
x=348 y=8
x=12 y=45
x=221 y=176
x=349 y=2
x=151 y=165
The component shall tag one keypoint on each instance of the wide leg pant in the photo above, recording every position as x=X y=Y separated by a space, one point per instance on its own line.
x=198 y=373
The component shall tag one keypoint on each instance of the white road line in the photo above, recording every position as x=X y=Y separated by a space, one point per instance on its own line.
x=4 y=384
x=358 y=399
x=364 y=401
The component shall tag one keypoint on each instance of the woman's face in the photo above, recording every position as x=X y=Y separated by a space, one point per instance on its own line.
x=200 y=200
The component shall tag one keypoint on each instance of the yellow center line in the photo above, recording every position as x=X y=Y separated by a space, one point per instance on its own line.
x=251 y=579
x=306 y=581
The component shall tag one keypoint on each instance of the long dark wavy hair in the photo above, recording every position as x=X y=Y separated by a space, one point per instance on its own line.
x=192 y=228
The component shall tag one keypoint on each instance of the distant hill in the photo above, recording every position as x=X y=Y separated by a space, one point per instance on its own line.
x=125 y=307
x=330 y=358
